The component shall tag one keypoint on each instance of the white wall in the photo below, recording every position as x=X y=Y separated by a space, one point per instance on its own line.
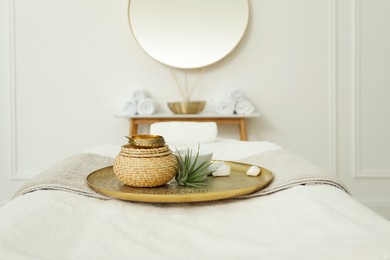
x=315 y=69
x=363 y=90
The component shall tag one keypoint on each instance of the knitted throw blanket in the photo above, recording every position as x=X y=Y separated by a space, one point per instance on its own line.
x=288 y=169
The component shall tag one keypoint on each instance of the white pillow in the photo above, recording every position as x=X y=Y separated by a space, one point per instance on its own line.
x=185 y=133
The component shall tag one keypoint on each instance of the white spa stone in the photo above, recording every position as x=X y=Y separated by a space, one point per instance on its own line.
x=223 y=170
x=215 y=165
x=253 y=171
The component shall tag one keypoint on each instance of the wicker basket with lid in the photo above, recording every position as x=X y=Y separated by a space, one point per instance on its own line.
x=145 y=162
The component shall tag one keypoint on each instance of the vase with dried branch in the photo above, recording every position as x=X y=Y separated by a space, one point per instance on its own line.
x=187 y=106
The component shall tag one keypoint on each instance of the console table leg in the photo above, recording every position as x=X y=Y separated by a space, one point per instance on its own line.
x=243 y=136
x=133 y=127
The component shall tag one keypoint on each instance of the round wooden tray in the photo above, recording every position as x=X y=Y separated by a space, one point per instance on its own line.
x=238 y=183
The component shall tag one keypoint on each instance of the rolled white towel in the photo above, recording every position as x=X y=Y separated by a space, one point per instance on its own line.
x=146 y=106
x=225 y=107
x=236 y=94
x=244 y=108
x=130 y=108
x=139 y=94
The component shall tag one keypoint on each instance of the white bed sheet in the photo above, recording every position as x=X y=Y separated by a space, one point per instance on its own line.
x=223 y=148
x=303 y=222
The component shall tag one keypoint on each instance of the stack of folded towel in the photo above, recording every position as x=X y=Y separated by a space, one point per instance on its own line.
x=139 y=104
x=233 y=102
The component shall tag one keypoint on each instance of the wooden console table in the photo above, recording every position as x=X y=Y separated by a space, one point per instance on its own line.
x=239 y=120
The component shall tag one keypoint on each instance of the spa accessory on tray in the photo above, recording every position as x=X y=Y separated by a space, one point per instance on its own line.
x=253 y=171
x=193 y=167
x=222 y=170
x=145 y=162
x=146 y=141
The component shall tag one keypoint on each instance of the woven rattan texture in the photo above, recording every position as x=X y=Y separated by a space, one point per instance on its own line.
x=132 y=151
x=148 y=167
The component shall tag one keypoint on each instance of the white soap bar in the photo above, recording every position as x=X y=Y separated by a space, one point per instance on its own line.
x=223 y=170
x=253 y=171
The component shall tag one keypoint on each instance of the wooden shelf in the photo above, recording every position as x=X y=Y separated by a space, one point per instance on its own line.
x=240 y=120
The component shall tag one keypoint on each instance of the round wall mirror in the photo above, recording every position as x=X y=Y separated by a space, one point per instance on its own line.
x=188 y=34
